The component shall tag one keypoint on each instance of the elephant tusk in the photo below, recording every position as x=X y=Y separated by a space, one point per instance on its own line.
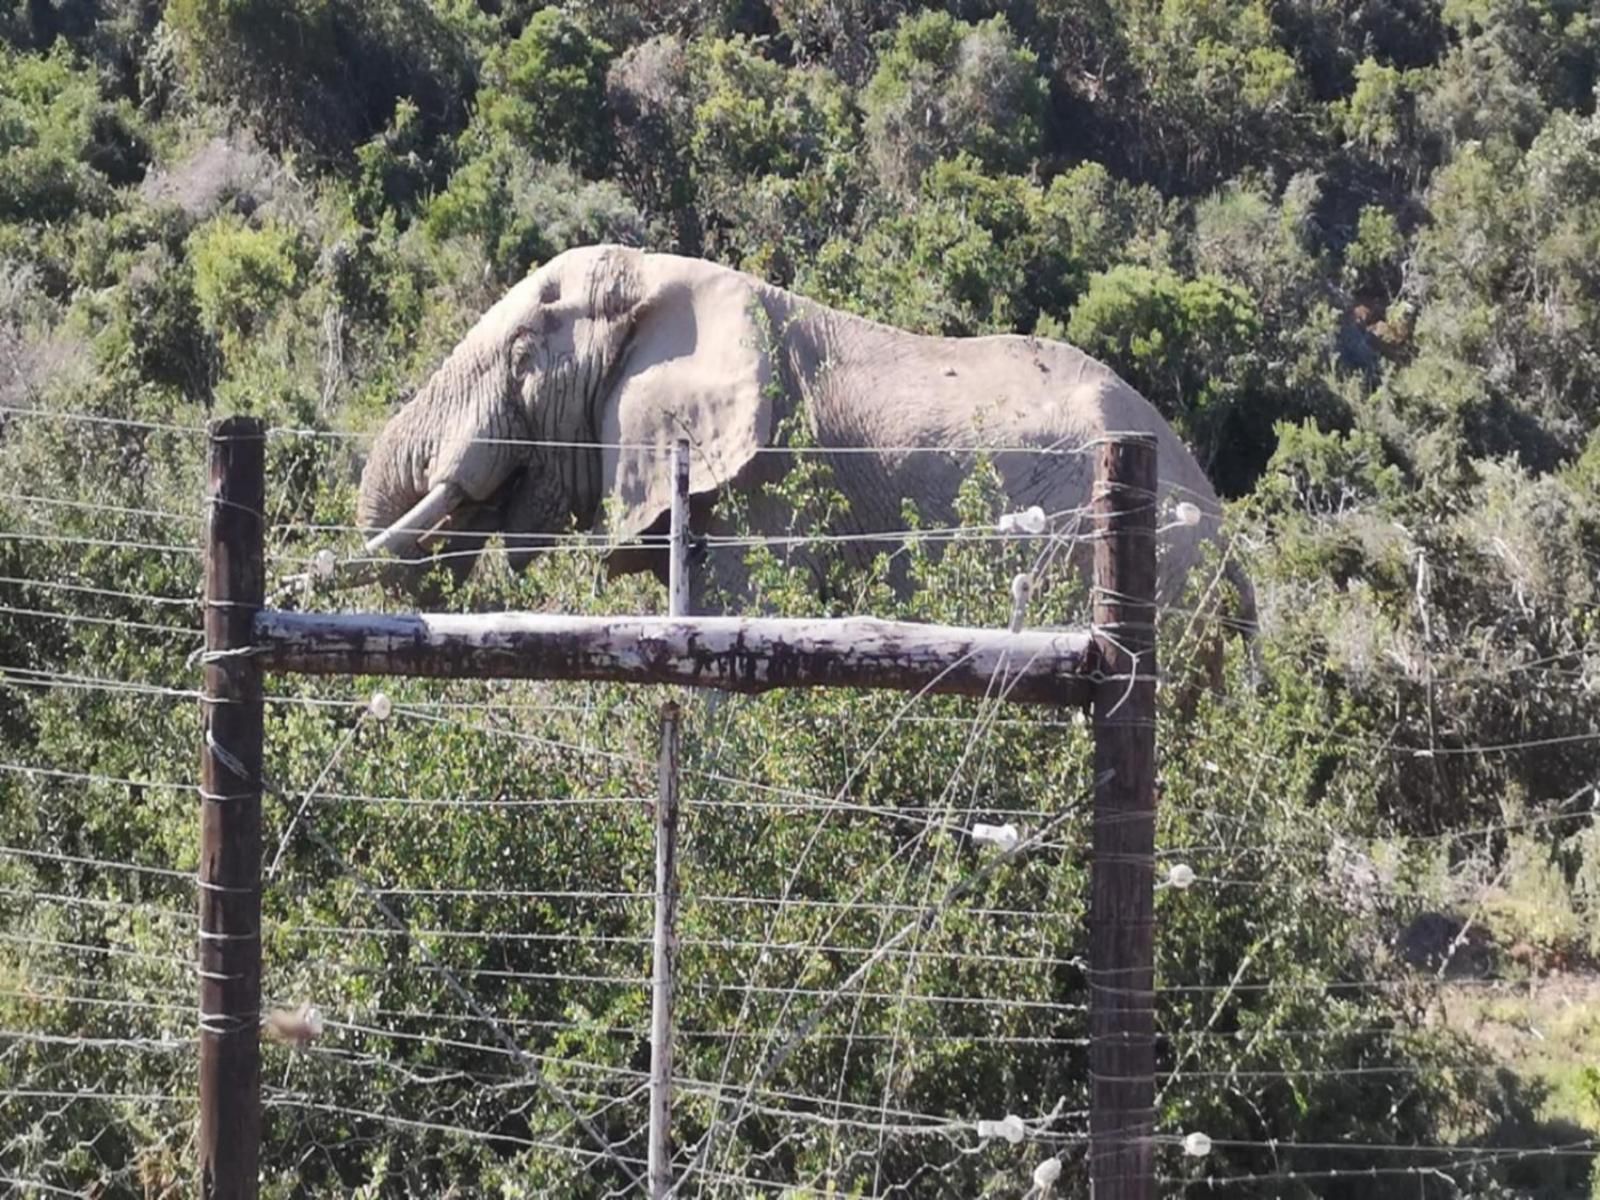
x=421 y=520
x=430 y=537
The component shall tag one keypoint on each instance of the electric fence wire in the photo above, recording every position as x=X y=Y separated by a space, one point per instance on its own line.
x=774 y=1051
x=797 y=801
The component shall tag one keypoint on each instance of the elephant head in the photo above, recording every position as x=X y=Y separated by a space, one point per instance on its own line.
x=561 y=406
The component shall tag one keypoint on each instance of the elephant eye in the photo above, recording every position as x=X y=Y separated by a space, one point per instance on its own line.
x=522 y=346
x=535 y=325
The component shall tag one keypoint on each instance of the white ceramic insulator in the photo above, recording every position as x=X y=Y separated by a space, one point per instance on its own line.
x=1011 y=1128
x=1196 y=1145
x=1188 y=514
x=1180 y=876
x=1021 y=589
x=1046 y=1173
x=1007 y=523
x=1032 y=520
x=380 y=706
x=323 y=563
x=312 y=1020
x=1005 y=836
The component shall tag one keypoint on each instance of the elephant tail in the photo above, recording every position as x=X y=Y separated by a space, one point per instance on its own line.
x=1246 y=621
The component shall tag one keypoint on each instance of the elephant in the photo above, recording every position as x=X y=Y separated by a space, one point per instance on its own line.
x=560 y=406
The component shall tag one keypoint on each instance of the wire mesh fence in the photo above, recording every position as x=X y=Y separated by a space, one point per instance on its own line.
x=457 y=933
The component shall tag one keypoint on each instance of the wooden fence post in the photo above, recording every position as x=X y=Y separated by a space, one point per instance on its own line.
x=665 y=940
x=230 y=816
x=678 y=544
x=1122 y=901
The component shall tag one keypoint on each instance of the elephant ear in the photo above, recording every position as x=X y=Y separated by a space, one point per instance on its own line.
x=696 y=366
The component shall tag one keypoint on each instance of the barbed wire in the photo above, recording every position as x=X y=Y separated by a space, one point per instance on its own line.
x=52 y=414
x=577 y=540
x=1454 y=1158
x=1078 y=446
x=775 y=1051
x=55 y=539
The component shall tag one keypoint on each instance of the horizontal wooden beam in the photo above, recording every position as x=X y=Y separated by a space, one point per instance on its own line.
x=731 y=654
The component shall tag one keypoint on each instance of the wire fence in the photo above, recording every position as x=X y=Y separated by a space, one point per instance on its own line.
x=458 y=917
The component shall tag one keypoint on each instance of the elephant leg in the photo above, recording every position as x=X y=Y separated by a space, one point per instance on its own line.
x=648 y=555
x=460 y=540
x=530 y=506
x=651 y=555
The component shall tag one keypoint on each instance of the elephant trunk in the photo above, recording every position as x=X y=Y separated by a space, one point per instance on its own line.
x=397 y=505
x=445 y=521
x=437 y=465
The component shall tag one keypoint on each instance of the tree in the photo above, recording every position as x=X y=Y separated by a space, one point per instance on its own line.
x=322 y=75
x=65 y=148
x=521 y=211
x=770 y=156
x=648 y=95
x=1182 y=342
x=547 y=90
x=944 y=87
x=1184 y=94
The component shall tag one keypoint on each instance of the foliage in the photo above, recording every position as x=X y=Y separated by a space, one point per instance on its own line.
x=942 y=87
x=770 y=153
x=1177 y=340
x=523 y=212
x=547 y=90
x=322 y=75
x=241 y=274
x=1348 y=249
x=64 y=147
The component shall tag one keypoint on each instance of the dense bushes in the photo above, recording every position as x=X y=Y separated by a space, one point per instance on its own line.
x=547 y=89
x=322 y=75
x=1348 y=249
x=65 y=148
x=943 y=87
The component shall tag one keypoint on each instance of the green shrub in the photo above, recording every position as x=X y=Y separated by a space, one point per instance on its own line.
x=547 y=90
x=957 y=261
x=242 y=273
x=391 y=175
x=168 y=330
x=64 y=148
x=323 y=75
x=942 y=87
x=1180 y=341
x=1372 y=260
x=523 y=212
x=768 y=151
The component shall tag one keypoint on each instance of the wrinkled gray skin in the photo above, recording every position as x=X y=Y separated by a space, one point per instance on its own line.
x=607 y=345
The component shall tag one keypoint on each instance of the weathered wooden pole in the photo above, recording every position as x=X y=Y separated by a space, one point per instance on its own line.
x=665 y=940
x=678 y=537
x=730 y=654
x=230 y=816
x=1122 y=893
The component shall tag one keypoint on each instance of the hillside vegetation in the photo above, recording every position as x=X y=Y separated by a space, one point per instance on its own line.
x=1349 y=248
